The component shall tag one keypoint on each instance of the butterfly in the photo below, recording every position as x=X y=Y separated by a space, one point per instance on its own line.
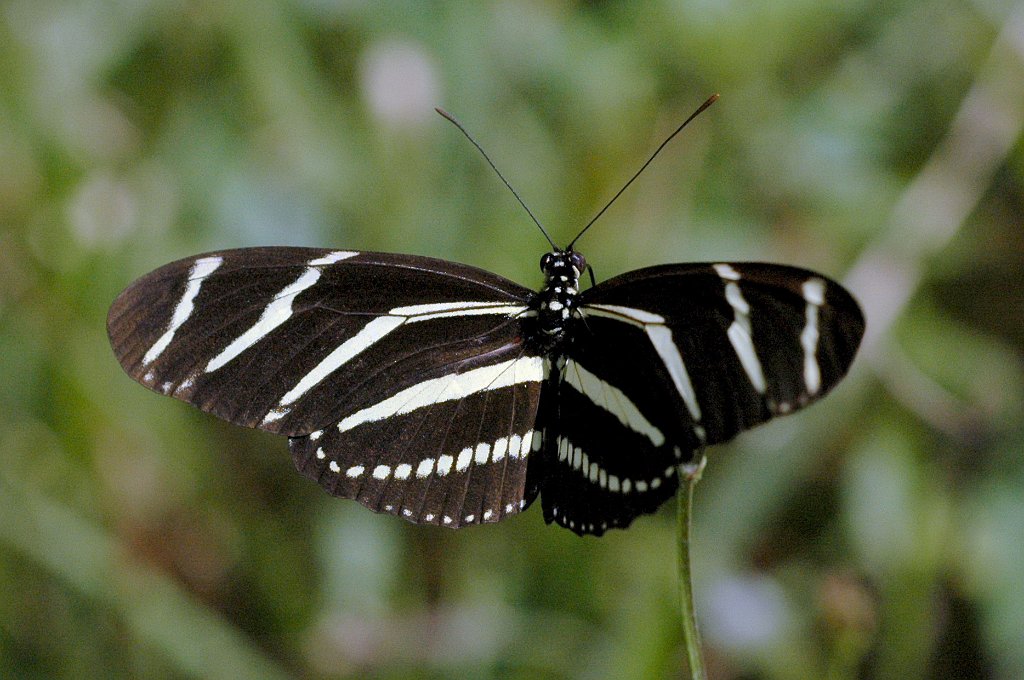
x=448 y=395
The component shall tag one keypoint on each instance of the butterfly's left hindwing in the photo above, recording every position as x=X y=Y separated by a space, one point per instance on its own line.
x=606 y=460
x=384 y=369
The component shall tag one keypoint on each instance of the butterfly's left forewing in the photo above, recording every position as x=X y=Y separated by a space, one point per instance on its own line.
x=404 y=382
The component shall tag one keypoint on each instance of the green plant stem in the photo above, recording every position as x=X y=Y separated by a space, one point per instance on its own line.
x=689 y=475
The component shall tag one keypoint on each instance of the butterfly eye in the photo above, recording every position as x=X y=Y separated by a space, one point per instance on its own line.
x=546 y=261
x=578 y=261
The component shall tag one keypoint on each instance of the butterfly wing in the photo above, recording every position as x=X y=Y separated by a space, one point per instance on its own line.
x=667 y=359
x=382 y=369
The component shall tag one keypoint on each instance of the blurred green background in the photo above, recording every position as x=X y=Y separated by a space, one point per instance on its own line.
x=877 y=535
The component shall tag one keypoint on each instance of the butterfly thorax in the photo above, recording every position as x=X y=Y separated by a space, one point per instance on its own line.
x=556 y=303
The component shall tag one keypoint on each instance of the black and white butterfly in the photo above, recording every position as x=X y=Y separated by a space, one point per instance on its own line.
x=448 y=395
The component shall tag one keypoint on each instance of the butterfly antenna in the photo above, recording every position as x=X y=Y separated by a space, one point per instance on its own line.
x=479 y=148
x=711 y=100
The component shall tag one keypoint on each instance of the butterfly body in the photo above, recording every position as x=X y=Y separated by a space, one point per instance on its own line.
x=447 y=395
x=556 y=304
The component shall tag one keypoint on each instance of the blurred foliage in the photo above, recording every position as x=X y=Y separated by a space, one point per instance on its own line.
x=878 y=535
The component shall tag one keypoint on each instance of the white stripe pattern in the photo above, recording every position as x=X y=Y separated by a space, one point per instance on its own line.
x=637 y=317
x=740 y=332
x=515 y=447
x=814 y=294
x=450 y=388
x=448 y=309
x=660 y=336
x=465 y=458
x=375 y=331
x=369 y=334
x=577 y=459
x=611 y=399
x=201 y=269
x=277 y=311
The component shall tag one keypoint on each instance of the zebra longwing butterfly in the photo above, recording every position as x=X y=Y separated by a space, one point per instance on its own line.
x=448 y=395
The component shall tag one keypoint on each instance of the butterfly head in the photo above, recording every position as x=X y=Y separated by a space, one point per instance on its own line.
x=556 y=302
x=563 y=265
